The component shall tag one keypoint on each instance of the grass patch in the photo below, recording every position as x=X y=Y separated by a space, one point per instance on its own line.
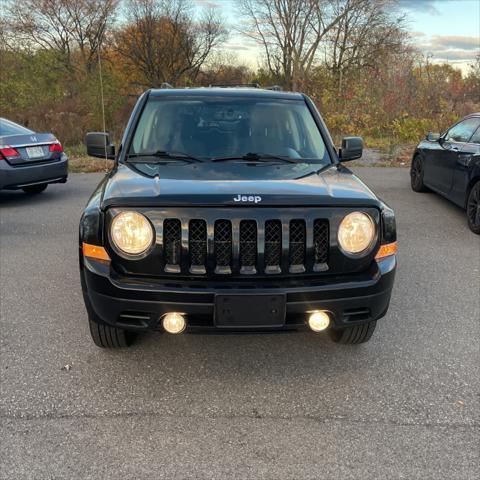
x=84 y=164
x=76 y=150
x=386 y=155
x=80 y=162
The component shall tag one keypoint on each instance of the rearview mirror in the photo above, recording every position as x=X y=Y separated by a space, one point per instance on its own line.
x=433 y=137
x=98 y=145
x=352 y=148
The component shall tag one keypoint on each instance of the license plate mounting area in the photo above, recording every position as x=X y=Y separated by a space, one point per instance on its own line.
x=250 y=311
x=34 y=152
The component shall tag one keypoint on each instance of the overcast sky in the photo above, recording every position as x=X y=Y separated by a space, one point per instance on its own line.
x=448 y=30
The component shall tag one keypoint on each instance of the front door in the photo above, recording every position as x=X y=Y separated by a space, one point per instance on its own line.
x=461 y=176
x=444 y=161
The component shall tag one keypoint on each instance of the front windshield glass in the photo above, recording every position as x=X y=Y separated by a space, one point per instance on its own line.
x=217 y=127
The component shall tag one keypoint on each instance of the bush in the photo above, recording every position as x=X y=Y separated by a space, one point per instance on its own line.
x=410 y=130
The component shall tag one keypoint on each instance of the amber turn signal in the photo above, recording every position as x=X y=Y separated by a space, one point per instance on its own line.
x=386 y=251
x=95 y=251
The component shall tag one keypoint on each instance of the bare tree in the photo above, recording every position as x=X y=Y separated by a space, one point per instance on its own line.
x=165 y=42
x=290 y=32
x=223 y=67
x=63 y=26
x=363 y=38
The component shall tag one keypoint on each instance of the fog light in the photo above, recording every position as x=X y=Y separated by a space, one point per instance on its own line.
x=174 y=322
x=318 y=321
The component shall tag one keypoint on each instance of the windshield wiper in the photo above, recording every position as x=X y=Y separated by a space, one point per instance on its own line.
x=254 y=158
x=160 y=156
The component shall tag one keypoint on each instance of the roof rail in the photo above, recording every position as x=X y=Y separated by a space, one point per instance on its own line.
x=276 y=88
x=235 y=85
x=166 y=85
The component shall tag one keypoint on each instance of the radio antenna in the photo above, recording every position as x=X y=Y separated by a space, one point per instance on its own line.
x=103 y=102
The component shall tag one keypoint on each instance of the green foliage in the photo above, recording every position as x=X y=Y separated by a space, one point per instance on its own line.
x=28 y=82
x=113 y=96
x=41 y=93
x=399 y=103
x=408 y=129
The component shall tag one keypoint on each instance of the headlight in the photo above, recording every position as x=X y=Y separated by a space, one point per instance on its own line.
x=131 y=233
x=356 y=233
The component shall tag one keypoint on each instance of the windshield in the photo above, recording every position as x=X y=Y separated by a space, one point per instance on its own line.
x=217 y=127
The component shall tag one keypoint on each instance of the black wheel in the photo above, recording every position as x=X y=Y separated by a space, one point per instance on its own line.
x=354 y=334
x=105 y=336
x=416 y=175
x=35 y=188
x=473 y=209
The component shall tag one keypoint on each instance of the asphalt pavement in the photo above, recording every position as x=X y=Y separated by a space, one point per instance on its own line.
x=271 y=406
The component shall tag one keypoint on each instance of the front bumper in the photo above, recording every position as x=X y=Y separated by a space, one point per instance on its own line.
x=138 y=304
x=15 y=177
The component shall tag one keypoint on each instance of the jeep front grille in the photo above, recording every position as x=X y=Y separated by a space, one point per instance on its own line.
x=297 y=246
x=246 y=247
x=197 y=245
x=321 y=237
x=223 y=246
x=273 y=246
x=172 y=234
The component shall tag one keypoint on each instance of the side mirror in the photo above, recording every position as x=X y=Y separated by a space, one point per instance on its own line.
x=433 y=137
x=352 y=148
x=98 y=145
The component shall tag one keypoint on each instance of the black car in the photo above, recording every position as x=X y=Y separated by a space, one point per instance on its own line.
x=29 y=160
x=449 y=164
x=229 y=209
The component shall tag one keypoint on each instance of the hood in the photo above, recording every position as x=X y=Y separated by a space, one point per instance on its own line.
x=230 y=186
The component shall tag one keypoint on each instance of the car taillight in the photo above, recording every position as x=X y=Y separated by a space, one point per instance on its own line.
x=7 y=151
x=56 y=147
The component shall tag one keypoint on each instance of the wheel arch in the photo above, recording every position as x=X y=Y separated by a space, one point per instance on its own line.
x=471 y=183
x=417 y=153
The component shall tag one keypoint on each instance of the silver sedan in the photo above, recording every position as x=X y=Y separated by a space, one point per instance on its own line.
x=29 y=160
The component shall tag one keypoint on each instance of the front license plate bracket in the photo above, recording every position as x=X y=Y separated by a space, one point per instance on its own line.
x=250 y=311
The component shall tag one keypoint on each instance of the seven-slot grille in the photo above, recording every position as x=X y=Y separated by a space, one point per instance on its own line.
x=284 y=247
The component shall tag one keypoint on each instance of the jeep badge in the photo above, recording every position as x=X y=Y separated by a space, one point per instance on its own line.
x=247 y=198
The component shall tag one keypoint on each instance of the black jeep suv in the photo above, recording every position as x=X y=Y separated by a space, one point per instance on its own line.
x=229 y=209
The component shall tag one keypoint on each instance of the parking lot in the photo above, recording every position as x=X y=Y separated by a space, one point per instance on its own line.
x=296 y=406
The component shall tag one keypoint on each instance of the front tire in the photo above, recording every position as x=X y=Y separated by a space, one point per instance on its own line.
x=35 y=188
x=353 y=335
x=473 y=208
x=105 y=336
x=417 y=172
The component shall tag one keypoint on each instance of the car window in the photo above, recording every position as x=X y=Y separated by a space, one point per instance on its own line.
x=476 y=136
x=9 y=128
x=462 y=131
x=229 y=126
